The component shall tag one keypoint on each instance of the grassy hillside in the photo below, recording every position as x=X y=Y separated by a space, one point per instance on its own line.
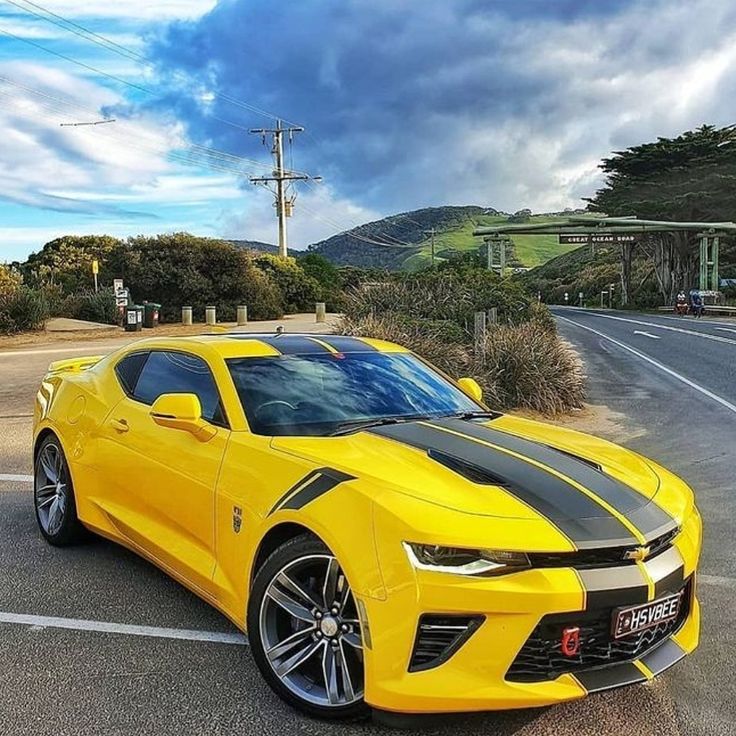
x=454 y=235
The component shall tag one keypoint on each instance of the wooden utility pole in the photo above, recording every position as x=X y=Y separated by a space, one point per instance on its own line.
x=282 y=178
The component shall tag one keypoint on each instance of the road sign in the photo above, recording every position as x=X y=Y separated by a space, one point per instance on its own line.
x=117 y=285
x=599 y=239
x=95 y=267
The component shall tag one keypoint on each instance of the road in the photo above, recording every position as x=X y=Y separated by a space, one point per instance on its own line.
x=78 y=680
x=676 y=379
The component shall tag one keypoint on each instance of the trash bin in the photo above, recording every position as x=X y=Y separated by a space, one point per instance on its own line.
x=133 y=318
x=150 y=314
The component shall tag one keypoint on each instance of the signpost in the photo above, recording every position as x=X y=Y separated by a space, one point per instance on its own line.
x=95 y=271
x=122 y=295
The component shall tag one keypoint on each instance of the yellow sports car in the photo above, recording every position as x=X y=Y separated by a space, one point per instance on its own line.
x=384 y=539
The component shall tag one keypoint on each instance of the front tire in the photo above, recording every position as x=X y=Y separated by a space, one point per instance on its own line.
x=304 y=631
x=53 y=496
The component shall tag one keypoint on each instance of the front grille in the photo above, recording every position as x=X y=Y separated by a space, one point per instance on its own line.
x=587 y=559
x=439 y=637
x=541 y=657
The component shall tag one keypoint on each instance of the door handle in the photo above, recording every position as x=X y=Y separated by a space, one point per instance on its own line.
x=119 y=425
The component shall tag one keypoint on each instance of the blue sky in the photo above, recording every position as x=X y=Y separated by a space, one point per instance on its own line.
x=407 y=103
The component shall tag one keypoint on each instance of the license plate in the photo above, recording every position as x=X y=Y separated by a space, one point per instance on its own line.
x=632 y=619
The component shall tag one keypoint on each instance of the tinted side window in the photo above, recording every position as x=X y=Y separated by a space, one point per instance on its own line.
x=179 y=373
x=129 y=369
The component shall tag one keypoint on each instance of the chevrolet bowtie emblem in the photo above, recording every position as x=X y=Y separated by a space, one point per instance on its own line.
x=638 y=554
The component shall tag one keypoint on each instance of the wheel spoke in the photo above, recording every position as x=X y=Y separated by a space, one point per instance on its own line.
x=329 y=589
x=49 y=465
x=298 y=659
x=42 y=503
x=329 y=671
x=278 y=650
x=55 y=516
x=47 y=491
x=347 y=683
x=353 y=639
x=296 y=591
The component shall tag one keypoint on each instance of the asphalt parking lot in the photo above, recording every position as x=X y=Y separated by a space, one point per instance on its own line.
x=187 y=670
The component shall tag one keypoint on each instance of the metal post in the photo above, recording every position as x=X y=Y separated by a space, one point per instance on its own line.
x=210 y=315
x=502 y=256
x=186 y=316
x=480 y=333
x=242 y=315
x=580 y=298
x=489 y=257
x=715 y=277
x=603 y=297
x=610 y=296
x=703 y=285
x=320 y=312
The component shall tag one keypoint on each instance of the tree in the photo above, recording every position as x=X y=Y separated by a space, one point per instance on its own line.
x=690 y=178
x=299 y=291
x=66 y=262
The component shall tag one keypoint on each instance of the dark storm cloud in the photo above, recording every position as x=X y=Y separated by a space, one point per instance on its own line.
x=412 y=103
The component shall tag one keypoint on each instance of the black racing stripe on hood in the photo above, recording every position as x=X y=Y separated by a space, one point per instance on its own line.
x=346 y=344
x=586 y=523
x=649 y=519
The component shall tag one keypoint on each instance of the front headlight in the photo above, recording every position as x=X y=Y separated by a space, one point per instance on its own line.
x=461 y=561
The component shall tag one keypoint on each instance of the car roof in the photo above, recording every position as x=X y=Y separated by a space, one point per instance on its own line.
x=253 y=344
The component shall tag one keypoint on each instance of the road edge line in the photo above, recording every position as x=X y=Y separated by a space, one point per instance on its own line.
x=105 y=627
x=701 y=389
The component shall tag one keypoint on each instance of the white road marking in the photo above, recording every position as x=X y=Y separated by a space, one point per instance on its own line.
x=9 y=477
x=705 y=336
x=647 y=334
x=718 y=399
x=726 y=329
x=105 y=627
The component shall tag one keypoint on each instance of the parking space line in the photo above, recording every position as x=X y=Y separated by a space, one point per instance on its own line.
x=105 y=627
x=9 y=477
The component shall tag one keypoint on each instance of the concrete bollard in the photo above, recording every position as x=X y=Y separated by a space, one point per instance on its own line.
x=210 y=315
x=186 y=316
x=320 y=312
x=242 y=315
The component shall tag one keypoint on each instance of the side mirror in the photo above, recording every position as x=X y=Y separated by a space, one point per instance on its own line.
x=182 y=411
x=470 y=387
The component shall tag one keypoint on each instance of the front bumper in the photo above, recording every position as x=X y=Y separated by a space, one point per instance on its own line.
x=476 y=676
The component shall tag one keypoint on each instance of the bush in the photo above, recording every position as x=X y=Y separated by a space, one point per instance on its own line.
x=183 y=270
x=92 y=306
x=299 y=292
x=22 y=309
x=10 y=280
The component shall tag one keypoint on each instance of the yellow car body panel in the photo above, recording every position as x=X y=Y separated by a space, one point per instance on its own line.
x=202 y=510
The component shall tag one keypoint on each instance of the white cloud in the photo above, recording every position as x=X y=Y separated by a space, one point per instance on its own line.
x=318 y=213
x=135 y=10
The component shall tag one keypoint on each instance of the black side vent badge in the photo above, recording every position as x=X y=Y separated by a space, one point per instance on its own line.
x=472 y=472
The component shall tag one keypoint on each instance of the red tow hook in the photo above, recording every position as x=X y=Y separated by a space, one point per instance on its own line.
x=571 y=641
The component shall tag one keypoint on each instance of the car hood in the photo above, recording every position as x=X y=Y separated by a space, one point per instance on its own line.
x=593 y=491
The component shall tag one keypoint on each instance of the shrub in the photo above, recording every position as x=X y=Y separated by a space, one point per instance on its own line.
x=92 y=306
x=10 y=280
x=299 y=292
x=22 y=309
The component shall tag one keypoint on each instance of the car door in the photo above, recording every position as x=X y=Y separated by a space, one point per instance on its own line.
x=162 y=481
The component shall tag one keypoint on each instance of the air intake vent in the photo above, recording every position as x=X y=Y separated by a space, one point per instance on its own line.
x=472 y=472
x=439 y=637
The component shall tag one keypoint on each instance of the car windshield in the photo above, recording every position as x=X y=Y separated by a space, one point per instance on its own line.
x=321 y=394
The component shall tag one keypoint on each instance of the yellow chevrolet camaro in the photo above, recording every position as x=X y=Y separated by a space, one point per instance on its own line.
x=384 y=539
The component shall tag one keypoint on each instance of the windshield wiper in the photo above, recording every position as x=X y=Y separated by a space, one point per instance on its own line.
x=467 y=415
x=356 y=425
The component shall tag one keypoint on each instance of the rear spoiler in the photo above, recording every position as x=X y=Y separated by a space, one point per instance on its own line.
x=74 y=365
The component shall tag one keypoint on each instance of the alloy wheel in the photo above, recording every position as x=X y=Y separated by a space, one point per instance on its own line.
x=311 y=633
x=51 y=489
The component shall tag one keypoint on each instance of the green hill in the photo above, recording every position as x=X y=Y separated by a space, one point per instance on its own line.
x=454 y=235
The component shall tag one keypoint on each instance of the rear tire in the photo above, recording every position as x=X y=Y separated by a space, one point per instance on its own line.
x=304 y=631
x=53 y=496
